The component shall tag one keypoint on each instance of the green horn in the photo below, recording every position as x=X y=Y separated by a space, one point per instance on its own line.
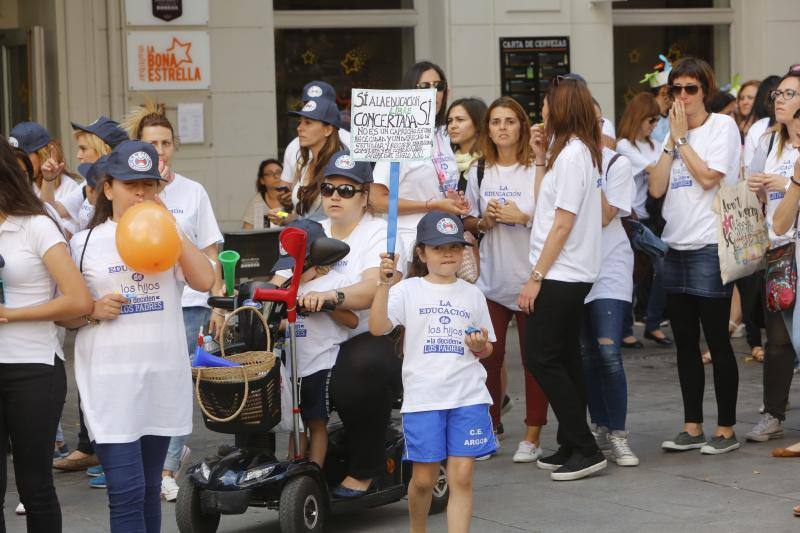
x=229 y=258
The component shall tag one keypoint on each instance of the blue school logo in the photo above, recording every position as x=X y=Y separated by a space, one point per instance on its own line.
x=447 y=226
x=444 y=320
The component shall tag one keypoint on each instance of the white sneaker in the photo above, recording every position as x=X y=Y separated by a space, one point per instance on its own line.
x=601 y=438
x=527 y=452
x=20 y=510
x=620 y=449
x=169 y=488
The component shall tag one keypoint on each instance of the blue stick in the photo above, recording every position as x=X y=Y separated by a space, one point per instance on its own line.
x=394 y=186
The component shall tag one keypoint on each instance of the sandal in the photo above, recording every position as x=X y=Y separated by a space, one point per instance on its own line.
x=796 y=510
x=757 y=353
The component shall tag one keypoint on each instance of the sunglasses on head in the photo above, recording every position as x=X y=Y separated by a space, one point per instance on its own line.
x=691 y=90
x=561 y=78
x=794 y=69
x=438 y=85
x=345 y=190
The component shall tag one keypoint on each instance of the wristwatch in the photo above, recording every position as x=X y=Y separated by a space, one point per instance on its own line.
x=339 y=297
x=680 y=142
x=91 y=321
x=537 y=276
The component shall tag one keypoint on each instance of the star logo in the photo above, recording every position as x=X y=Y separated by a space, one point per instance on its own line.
x=180 y=48
x=351 y=63
x=309 y=57
x=634 y=56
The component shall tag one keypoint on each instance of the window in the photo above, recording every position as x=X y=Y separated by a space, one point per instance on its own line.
x=345 y=58
x=670 y=4
x=636 y=50
x=297 y=5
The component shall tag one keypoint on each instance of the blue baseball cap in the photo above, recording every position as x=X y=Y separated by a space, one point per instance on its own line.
x=92 y=172
x=313 y=231
x=340 y=164
x=438 y=228
x=318 y=89
x=133 y=160
x=30 y=136
x=108 y=130
x=322 y=110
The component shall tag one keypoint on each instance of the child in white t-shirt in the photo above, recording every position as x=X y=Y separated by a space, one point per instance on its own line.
x=446 y=402
x=318 y=338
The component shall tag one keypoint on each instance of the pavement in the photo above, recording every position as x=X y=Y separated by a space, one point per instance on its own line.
x=743 y=491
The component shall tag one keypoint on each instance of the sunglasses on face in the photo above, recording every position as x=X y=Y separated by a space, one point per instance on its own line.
x=691 y=90
x=786 y=94
x=345 y=190
x=653 y=120
x=438 y=85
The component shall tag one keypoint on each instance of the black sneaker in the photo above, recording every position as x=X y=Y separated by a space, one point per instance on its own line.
x=579 y=466
x=555 y=461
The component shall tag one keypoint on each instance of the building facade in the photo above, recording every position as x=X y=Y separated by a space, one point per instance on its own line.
x=242 y=63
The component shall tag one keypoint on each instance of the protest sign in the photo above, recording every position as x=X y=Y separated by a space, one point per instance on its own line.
x=392 y=125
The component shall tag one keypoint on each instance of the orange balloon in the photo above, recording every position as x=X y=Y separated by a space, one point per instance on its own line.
x=147 y=238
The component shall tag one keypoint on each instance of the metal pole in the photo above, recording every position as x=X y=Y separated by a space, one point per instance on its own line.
x=295 y=390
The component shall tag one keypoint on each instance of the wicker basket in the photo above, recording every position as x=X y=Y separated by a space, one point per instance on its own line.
x=240 y=399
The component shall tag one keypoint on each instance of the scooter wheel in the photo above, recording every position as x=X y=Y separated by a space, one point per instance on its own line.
x=302 y=508
x=189 y=514
x=441 y=491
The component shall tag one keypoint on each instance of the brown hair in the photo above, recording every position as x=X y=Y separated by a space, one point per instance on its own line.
x=307 y=194
x=148 y=114
x=16 y=195
x=571 y=114
x=641 y=107
x=103 y=208
x=781 y=129
x=699 y=69
x=487 y=146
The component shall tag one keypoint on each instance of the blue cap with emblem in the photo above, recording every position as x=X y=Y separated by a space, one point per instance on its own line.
x=133 y=160
x=438 y=228
x=93 y=172
x=340 y=164
x=318 y=89
x=322 y=110
x=108 y=130
x=29 y=136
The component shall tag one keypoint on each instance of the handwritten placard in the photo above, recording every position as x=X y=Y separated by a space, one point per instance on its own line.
x=392 y=125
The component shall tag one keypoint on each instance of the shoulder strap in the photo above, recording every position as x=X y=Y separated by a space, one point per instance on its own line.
x=481 y=170
x=771 y=142
x=83 y=252
x=613 y=159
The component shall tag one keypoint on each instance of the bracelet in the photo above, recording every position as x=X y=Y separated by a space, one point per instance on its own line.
x=478 y=226
x=49 y=181
x=538 y=165
x=384 y=283
x=794 y=181
x=478 y=354
x=428 y=201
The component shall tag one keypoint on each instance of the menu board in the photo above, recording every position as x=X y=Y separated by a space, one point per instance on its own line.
x=527 y=64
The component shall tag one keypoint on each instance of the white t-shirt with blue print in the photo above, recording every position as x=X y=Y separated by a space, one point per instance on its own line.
x=784 y=166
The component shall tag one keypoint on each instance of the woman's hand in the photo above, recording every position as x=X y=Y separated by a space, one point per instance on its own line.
x=538 y=143
x=509 y=213
x=51 y=169
x=277 y=216
x=477 y=341
x=285 y=198
x=108 y=307
x=528 y=295
x=388 y=268
x=678 y=126
x=454 y=206
x=755 y=182
x=215 y=323
x=774 y=182
x=313 y=301
x=164 y=170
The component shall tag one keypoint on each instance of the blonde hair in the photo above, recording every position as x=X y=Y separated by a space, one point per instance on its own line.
x=92 y=141
x=148 y=114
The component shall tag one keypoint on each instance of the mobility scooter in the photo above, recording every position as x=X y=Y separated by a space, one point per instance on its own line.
x=249 y=474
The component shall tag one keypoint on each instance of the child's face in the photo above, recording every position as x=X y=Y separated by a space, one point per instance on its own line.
x=443 y=260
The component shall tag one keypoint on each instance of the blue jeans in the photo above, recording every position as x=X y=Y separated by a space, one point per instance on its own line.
x=133 y=477
x=193 y=318
x=606 y=384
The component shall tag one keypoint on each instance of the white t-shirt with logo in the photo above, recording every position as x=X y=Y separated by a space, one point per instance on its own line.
x=505 y=262
x=640 y=156
x=291 y=156
x=616 y=271
x=188 y=201
x=24 y=241
x=784 y=166
x=318 y=335
x=573 y=184
x=691 y=224
x=439 y=370
x=753 y=138
x=367 y=241
x=132 y=372
x=78 y=207
x=608 y=128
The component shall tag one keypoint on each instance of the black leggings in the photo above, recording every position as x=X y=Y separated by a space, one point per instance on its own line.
x=31 y=399
x=364 y=384
x=686 y=314
x=778 y=366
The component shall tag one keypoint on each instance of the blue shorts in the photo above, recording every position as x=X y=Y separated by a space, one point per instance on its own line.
x=433 y=436
x=314 y=396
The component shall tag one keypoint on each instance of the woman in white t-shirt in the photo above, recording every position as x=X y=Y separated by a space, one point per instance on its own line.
x=38 y=285
x=465 y=117
x=502 y=211
x=565 y=253
x=701 y=152
x=636 y=127
x=130 y=351
x=424 y=185
x=266 y=202
x=189 y=203
x=366 y=379
x=770 y=186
